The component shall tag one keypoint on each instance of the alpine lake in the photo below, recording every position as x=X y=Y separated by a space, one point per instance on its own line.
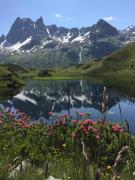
x=37 y=98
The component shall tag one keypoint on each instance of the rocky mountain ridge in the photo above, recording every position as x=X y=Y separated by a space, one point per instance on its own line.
x=39 y=45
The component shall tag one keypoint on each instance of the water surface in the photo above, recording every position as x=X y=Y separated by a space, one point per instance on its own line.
x=38 y=98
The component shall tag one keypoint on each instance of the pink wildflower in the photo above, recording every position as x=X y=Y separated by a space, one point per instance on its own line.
x=74 y=121
x=89 y=121
x=82 y=114
x=63 y=122
x=50 y=113
x=117 y=128
x=84 y=130
x=90 y=128
x=97 y=137
x=64 y=115
x=28 y=125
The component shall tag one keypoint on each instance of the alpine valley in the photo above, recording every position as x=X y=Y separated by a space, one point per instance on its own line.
x=34 y=44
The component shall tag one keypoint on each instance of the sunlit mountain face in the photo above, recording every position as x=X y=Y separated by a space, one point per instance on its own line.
x=38 y=98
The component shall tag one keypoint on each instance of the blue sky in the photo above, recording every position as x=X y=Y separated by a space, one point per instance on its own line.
x=68 y=13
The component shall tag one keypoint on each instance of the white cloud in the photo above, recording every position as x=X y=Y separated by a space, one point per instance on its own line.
x=60 y=16
x=68 y=19
x=57 y=15
x=110 y=18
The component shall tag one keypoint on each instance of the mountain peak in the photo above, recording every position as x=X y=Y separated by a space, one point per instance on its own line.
x=18 y=19
x=102 y=22
x=104 y=29
x=20 y=30
x=2 y=38
x=40 y=21
x=22 y=20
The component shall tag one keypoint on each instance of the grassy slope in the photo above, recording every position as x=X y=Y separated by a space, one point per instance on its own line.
x=118 y=69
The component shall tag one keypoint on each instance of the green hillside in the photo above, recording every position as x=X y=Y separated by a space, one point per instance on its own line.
x=121 y=62
x=10 y=80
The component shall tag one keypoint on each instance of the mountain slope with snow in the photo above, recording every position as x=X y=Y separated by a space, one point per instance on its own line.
x=30 y=43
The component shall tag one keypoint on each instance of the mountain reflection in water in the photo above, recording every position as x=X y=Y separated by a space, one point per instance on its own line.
x=40 y=97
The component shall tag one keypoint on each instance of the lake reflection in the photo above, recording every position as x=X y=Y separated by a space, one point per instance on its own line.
x=40 y=97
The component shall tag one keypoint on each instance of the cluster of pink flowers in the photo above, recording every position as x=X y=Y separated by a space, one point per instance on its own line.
x=86 y=127
x=82 y=114
x=23 y=123
x=57 y=124
x=23 y=120
x=84 y=124
x=74 y=121
x=15 y=118
x=117 y=128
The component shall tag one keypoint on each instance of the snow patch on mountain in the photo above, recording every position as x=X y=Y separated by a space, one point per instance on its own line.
x=2 y=44
x=79 y=39
x=18 y=45
x=66 y=39
x=48 y=32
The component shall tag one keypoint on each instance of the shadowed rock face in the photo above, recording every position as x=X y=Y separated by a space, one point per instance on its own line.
x=103 y=29
x=25 y=28
x=20 y=30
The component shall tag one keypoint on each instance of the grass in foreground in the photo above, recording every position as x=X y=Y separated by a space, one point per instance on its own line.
x=71 y=148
